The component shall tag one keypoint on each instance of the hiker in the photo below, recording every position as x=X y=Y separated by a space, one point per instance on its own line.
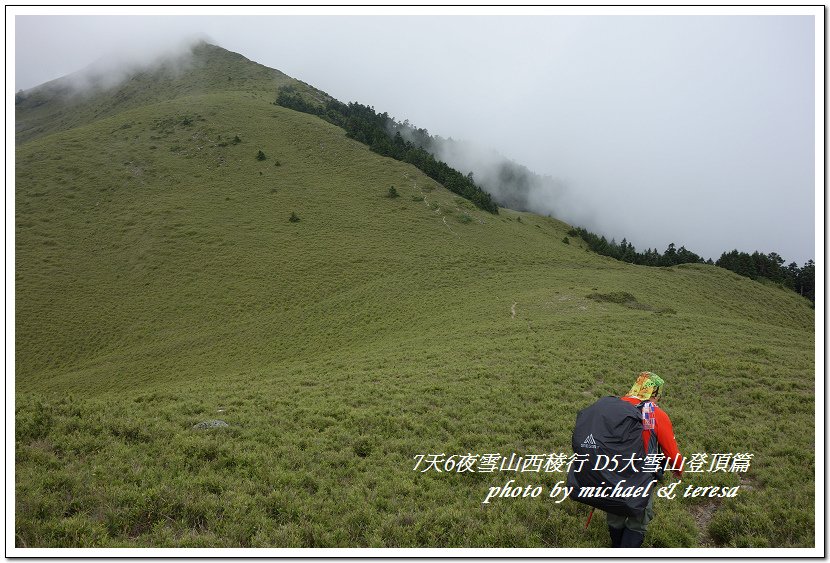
x=629 y=531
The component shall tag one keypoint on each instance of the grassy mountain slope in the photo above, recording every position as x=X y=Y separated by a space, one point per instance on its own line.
x=159 y=283
x=106 y=89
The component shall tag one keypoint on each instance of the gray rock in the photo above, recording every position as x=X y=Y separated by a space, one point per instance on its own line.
x=210 y=424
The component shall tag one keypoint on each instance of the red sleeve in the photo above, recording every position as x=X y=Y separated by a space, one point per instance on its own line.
x=665 y=437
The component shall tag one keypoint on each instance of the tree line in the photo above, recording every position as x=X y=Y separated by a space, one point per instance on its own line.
x=382 y=134
x=755 y=266
x=771 y=266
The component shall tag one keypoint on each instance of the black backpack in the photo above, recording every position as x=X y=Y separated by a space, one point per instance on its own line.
x=611 y=427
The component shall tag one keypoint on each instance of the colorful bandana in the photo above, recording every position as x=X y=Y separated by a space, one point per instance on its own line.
x=647 y=386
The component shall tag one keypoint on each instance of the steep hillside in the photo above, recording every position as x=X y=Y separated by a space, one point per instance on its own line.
x=107 y=89
x=160 y=283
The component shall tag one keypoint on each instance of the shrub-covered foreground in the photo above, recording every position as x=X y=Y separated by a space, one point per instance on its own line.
x=321 y=453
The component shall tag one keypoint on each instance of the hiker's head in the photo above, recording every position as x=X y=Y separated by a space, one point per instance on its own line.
x=648 y=387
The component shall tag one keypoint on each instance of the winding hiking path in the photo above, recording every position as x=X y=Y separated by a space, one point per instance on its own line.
x=437 y=209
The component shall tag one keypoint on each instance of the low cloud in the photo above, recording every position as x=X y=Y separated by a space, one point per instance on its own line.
x=117 y=66
x=511 y=184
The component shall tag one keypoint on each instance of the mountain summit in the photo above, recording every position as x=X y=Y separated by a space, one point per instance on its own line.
x=117 y=84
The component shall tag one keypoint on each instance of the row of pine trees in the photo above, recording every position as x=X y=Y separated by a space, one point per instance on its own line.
x=756 y=266
x=363 y=124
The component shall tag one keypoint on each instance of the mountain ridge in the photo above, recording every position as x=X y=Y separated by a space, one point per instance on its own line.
x=201 y=68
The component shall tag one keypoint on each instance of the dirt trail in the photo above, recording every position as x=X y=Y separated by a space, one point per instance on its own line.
x=437 y=209
x=702 y=514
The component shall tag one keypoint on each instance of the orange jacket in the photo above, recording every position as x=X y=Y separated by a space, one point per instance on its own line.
x=665 y=435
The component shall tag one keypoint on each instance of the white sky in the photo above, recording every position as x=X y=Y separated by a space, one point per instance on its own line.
x=693 y=129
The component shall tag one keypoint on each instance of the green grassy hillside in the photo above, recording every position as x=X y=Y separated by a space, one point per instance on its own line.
x=98 y=92
x=160 y=283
